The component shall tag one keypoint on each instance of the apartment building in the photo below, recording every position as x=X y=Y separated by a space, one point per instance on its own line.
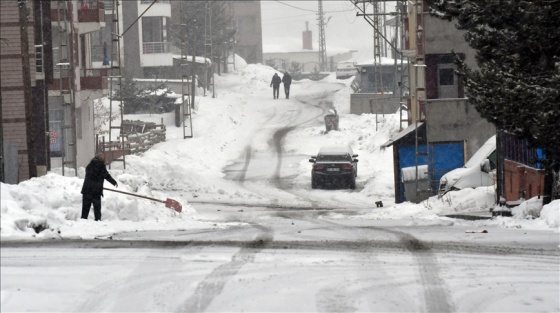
x=25 y=71
x=247 y=20
x=145 y=46
x=77 y=81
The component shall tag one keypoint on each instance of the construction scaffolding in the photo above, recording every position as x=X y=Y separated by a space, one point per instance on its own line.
x=65 y=67
x=322 y=40
x=375 y=12
x=115 y=78
x=412 y=12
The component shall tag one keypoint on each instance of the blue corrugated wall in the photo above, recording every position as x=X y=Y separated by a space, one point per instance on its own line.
x=443 y=157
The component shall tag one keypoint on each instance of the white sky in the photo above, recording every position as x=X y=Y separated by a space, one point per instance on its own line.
x=284 y=21
x=192 y=171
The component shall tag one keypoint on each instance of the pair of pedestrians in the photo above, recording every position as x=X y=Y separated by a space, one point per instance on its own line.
x=275 y=84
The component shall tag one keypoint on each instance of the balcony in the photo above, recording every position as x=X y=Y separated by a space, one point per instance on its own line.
x=92 y=12
x=91 y=16
x=55 y=12
x=161 y=8
x=93 y=79
x=55 y=86
x=156 y=47
x=156 y=54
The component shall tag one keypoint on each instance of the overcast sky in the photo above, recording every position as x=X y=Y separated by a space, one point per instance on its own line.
x=284 y=21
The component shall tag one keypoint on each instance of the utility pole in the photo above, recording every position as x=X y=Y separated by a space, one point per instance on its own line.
x=1 y=130
x=23 y=22
x=116 y=80
x=322 y=44
x=208 y=81
x=183 y=114
x=193 y=66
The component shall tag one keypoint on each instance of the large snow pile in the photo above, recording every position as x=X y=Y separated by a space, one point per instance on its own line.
x=194 y=169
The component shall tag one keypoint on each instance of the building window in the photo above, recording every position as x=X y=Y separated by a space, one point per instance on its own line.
x=56 y=119
x=79 y=123
x=446 y=77
x=246 y=25
x=39 y=58
x=154 y=35
x=152 y=29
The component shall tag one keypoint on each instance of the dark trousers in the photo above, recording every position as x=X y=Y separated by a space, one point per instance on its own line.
x=87 y=201
x=275 y=91
x=287 y=91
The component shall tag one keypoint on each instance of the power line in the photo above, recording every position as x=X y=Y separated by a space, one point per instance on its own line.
x=291 y=6
x=314 y=11
x=139 y=17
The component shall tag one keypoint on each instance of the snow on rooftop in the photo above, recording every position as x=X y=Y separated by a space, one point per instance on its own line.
x=383 y=61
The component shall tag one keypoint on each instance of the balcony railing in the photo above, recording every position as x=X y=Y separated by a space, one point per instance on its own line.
x=156 y=47
x=108 y=5
x=92 y=11
x=93 y=79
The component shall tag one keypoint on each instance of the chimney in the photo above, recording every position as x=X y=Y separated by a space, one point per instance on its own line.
x=307 y=38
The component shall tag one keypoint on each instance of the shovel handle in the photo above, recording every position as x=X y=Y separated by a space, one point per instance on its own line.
x=135 y=195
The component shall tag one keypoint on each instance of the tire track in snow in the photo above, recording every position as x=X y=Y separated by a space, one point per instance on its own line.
x=436 y=297
x=214 y=283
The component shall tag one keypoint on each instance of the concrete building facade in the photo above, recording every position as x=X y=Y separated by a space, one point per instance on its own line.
x=247 y=20
x=78 y=82
x=25 y=71
x=145 y=44
x=436 y=99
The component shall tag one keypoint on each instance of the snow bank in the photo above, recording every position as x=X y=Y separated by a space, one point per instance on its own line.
x=550 y=213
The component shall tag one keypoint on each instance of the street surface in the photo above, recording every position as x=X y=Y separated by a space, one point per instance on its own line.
x=312 y=256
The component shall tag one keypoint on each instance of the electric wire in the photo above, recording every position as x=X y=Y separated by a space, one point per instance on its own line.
x=139 y=17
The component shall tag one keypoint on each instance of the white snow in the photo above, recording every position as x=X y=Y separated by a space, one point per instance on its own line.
x=191 y=170
x=187 y=169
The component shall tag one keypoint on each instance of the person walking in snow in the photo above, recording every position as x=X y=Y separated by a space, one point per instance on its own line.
x=275 y=84
x=92 y=190
x=287 y=80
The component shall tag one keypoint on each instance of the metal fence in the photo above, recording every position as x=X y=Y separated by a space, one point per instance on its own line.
x=156 y=47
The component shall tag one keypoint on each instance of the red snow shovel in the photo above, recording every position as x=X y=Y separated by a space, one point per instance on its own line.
x=169 y=203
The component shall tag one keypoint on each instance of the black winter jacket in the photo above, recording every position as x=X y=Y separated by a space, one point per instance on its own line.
x=287 y=79
x=96 y=172
x=276 y=80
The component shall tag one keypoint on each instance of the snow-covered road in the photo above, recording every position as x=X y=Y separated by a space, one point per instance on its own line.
x=254 y=237
x=287 y=261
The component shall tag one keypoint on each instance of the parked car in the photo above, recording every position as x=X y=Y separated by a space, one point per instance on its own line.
x=478 y=171
x=346 y=70
x=334 y=166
